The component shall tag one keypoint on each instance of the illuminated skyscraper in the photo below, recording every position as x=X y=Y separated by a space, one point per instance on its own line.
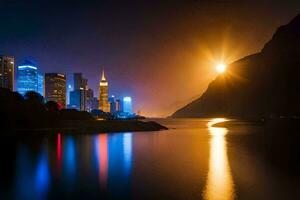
x=77 y=99
x=79 y=81
x=77 y=78
x=69 y=89
x=127 y=104
x=27 y=77
x=41 y=84
x=112 y=104
x=118 y=105
x=7 y=72
x=55 y=88
x=103 y=94
x=91 y=101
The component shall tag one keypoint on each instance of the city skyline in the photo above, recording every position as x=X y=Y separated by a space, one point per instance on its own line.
x=54 y=87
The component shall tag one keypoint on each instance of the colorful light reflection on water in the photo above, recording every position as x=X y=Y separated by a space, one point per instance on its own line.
x=33 y=179
x=69 y=158
x=111 y=155
x=101 y=143
x=189 y=161
x=219 y=184
x=127 y=151
x=59 y=153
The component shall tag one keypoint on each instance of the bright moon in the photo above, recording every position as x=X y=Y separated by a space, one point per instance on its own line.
x=221 y=68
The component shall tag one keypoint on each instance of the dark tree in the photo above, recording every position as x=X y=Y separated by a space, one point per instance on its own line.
x=34 y=96
x=52 y=106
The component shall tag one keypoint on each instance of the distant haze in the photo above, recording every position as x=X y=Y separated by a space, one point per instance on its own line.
x=162 y=53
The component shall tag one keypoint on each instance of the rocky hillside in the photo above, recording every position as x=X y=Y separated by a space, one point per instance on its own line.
x=260 y=85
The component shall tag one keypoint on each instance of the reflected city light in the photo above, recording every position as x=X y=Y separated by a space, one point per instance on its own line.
x=42 y=175
x=102 y=156
x=219 y=183
x=59 y=153
x=127 y=150
x=69 y=157
x=32 y=180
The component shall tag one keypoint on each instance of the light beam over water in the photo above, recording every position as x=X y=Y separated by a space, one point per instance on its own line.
x=219 y=183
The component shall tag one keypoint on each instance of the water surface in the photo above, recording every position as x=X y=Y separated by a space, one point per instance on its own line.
x=191 y=160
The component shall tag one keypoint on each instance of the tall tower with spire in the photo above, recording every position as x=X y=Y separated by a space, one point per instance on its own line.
x=103 y=94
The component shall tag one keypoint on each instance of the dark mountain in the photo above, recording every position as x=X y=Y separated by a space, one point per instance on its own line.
x=260 y=85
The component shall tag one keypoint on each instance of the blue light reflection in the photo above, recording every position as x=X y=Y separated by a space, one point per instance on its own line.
x=69 y=159
x=42 y=178
x=127 y=152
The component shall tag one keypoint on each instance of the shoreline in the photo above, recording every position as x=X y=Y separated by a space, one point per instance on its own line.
x=241 y=122
x=268 y=123
x=99 y=126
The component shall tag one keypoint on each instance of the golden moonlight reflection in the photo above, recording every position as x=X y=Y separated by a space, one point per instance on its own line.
x=219 y=183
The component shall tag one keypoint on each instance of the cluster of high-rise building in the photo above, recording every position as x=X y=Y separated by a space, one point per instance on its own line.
x=53 y=86
x=82 y=97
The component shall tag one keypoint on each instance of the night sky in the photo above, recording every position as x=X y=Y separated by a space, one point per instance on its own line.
x=162 y=53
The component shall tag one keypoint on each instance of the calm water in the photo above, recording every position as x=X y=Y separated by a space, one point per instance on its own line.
x=189 y=161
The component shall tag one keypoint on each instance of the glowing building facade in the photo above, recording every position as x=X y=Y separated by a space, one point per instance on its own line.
x=7 y=72
x=27 y=78
x=55 y=88
x=127 y=105
x=103 y=94
x=112 y=104
x=40 y=86
x=77 y=99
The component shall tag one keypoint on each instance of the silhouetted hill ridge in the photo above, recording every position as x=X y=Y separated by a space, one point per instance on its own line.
x=259 y=85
